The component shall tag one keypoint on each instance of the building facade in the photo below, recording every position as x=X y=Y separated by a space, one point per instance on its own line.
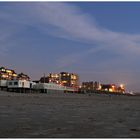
x=90 y=86
x=7 y=74
x=69 y=79
x=22 y=76
x=109 y=87
x=62 y=78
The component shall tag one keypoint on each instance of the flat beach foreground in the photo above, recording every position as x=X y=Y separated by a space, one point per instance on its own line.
x=69 y=116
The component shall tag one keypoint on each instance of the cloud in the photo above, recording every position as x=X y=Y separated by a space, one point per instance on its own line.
x=68 y=21
x=71 y=23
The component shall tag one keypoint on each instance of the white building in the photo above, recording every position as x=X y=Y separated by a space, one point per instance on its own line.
x=28 y=86
x=51 y=87
x=19 y=85
x=3 y=83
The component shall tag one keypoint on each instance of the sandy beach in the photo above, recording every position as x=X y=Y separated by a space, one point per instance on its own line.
x=69 y=115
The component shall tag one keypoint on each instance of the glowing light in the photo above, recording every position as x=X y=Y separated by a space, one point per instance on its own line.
x=9 y=71
x=111 y=90
x=64 y=81
x=122 y=86
x=14 y=75
x=106 y=89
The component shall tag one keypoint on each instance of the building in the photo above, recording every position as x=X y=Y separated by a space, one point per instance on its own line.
x=121 y=88
x=62 y=78
x=20 y=85
x=90 y=86
x=52 y=88
x=69 y=79
x=109 y=87
x=54 y=78
x=44 y=80
x=23 y=76
x=113 y=88
x=97 y=85
x=7 y=74
x=87 y=86
x=51 y=78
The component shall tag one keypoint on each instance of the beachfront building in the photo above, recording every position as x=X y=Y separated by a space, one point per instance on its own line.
x=7 y=74
x=62 y=78
x=54 y=78
x=109 y=87
x=87 y=86
x=51 y=88
x=113 y=88
x=20 y=85
x=43 y=80
x=51 y=78
x=90 y=86
x=69 y=79
x=66 y=79
x=22 y=76
x=121 y=88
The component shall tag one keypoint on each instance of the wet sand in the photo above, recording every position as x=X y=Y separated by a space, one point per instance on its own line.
x=69 y=116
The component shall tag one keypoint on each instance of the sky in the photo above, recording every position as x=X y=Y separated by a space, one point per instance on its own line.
x=100 y=41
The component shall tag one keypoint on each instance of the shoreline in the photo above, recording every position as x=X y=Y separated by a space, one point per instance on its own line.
x=76 y=93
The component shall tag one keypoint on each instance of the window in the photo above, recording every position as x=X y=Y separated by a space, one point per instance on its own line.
x=15 y=83
x=10 y=83
x=22 y=84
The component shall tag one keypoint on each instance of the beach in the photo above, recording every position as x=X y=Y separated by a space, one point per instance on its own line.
x=69 y=115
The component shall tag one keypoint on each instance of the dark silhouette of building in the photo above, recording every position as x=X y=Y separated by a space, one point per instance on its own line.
x=22 y=76
x=44 y=80
x=90 y=86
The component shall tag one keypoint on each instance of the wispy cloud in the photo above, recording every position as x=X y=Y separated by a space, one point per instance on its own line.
x=71 y=23
x=68 y=21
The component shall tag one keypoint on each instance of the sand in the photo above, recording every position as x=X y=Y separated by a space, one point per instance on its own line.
x=69 y=116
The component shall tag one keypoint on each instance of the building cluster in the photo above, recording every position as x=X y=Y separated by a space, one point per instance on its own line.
x=10 y=79
x=7 y=74
x=62 y=81
x=62 y=78
x=96 y=86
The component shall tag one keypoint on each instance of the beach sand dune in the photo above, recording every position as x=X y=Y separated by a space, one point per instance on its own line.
x=69 y=115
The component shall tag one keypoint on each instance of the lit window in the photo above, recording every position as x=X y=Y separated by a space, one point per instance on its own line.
x=9 y=71
x=110 y=90
x=64 y=81
x=3 y=70
x=106 y=89
x=14 y=75
x=4 y=76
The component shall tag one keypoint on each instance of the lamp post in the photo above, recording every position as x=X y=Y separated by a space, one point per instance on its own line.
x=44 y=82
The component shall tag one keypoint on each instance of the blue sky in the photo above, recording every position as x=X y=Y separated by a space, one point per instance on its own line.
x=98 y=40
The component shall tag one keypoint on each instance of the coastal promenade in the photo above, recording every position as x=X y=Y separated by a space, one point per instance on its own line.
x=69 y=115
